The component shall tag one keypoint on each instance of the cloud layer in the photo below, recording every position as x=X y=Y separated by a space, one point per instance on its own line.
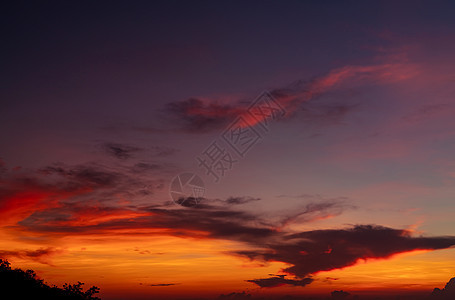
x=83 y=200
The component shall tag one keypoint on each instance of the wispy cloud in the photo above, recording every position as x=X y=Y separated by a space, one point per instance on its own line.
x=62 y=187
x=202 y=115
x=160 y=284
x=323 y=250
x=41 y=255
x=120 y=151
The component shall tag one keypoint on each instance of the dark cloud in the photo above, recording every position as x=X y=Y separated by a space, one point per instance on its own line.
x=316 y=211
x=331 y=279
x=324 y=250
x=191 y=202
x=95 y=176
x=162 y=284
x=67 y=216
x=40 y=255
x=125 y=151
x=196 y=115
x=280 y=280
x=120 y=151
x=214 y=221
x=21 y=191
x=240 y=200
x=217 y=204
x=106 y=181
x=340 y=295
x=235 y=296
x=59 y=192
x=201 y=222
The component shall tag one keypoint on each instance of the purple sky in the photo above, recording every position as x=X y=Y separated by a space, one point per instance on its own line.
x=139 y=90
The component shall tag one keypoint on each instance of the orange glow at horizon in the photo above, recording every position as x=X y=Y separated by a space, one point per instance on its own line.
x=205 y=266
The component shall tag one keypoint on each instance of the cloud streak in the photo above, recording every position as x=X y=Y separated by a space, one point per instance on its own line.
x=41 y=255
x=280 y=280
x=202 y=115
x=161 y=284
x=324 y=250
x=120 y=151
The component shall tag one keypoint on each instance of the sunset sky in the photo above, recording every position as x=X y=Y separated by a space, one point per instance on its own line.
x=348 y=183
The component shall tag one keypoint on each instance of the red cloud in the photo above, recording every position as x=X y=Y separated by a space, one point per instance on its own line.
x=41 y=255
x=20 y=196
x=202 y=115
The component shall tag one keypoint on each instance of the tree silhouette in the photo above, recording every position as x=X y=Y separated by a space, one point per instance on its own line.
x=20 y=284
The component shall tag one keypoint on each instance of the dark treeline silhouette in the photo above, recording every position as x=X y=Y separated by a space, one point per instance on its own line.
x=20 y=284
x=447 y=293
